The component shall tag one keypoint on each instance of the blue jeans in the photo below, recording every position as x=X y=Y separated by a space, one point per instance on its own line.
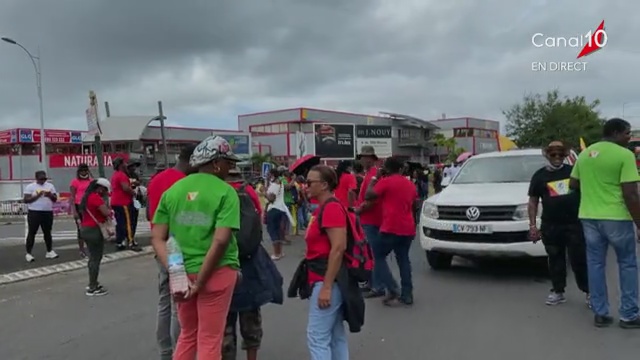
x=326 y=336
x=303 y=220
x=372 y=234
x=167 y=327
x=400 y=245
x=275 y=217
x=599 y=234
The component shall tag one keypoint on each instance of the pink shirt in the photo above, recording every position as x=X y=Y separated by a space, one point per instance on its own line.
x=81 y=186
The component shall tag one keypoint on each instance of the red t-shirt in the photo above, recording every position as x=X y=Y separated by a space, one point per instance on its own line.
x=346 y=182
x=94 y=201
x=119 y=197
x=252 y=194
x=158 y=185
x=313 y=201
x=81 y=186
x=373 y=215
x=396 y=195
x=318 y=243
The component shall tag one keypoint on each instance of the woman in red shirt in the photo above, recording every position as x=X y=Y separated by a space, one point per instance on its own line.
x=77 y=188
x=347 y=184
x=95 y=214
x=326 y=336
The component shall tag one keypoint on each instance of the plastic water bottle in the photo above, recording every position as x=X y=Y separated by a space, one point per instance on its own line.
x=178 y=280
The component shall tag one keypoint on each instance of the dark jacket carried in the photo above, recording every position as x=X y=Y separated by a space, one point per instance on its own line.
x=261 y=283
x=353 y=307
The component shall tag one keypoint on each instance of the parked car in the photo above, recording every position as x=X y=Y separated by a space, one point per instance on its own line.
x=483 y=211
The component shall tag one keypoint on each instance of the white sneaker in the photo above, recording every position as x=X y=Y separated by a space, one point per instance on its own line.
x=51 y=255
x=29 y=258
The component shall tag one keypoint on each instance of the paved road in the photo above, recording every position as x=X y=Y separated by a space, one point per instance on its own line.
x=467 y=313
x=12 y=249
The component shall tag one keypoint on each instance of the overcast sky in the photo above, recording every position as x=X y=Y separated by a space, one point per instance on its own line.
x=210 y=60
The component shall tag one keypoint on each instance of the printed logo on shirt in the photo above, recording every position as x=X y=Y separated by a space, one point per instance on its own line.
x=594 y=154
x=191 y=196
x=558 y=188
x=311 y=220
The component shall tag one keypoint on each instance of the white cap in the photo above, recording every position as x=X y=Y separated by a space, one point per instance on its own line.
x=104 y=182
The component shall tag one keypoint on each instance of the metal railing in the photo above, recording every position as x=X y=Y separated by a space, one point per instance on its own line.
x=17 y=208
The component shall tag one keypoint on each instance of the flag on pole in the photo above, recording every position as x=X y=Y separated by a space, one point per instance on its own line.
x=572 y=158
x=582 y=144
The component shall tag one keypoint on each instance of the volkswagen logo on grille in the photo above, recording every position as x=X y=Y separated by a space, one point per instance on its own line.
x=473 y=213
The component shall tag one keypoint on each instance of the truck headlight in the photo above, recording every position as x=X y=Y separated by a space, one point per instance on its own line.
x=430 y=210
x=522 y=212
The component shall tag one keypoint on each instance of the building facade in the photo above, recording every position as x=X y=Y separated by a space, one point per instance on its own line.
x=290 y=133
x=132 y=138
x=473 y=135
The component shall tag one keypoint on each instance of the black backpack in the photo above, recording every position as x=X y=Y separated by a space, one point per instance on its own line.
x=249 y=236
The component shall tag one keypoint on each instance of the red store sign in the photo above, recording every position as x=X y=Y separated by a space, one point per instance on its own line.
x=73 y=160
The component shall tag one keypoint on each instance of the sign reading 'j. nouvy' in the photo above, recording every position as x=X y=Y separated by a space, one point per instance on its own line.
x=377 y=136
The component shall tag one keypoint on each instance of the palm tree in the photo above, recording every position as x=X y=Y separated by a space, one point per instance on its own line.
x=438 y=141
x=258 y=159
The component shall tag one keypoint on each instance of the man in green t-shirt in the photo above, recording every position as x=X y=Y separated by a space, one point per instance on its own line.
x=201 y=212
x=607 y=177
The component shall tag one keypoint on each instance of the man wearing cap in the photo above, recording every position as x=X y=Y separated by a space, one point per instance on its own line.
x=122 y=195
x=370 y=213
x=202 y=214
x=561 y=231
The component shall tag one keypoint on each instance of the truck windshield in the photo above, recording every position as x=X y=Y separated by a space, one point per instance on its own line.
x=501 y=169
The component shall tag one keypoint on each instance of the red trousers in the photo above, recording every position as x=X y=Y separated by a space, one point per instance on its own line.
x=203 y=317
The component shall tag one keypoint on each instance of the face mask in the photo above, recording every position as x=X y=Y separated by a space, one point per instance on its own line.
x=551 y=167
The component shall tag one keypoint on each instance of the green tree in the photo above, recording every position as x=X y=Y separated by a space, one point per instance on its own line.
x=449 y=144
x=539 y=119
x=257 y=159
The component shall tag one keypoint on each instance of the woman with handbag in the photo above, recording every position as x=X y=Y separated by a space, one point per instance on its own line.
x=96 y=227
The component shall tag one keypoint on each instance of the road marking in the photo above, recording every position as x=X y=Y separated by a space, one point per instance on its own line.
x=68 y=266
x=63 y=235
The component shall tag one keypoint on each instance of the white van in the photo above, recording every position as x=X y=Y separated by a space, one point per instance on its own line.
x=483 y=210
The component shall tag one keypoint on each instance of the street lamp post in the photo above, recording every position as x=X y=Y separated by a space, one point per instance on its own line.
x=35 y=60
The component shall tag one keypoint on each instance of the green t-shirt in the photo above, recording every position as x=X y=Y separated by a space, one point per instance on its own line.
x=601 y=168
x=288 y=197
x=194 y=208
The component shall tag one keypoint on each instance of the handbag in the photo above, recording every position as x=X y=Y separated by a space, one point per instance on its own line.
x=107 y=228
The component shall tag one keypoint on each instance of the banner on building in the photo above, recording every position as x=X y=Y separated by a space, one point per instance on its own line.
x=8 y=136
x=240 y=145
x=334 y=141
x=51 y=136
x=301 y=144
x=74 y=160
x=377 y=136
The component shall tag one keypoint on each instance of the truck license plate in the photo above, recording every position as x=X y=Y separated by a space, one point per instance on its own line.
x=472 y=229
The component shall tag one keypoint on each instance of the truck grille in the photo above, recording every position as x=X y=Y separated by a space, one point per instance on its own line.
x=495 y=238
x=487 y=213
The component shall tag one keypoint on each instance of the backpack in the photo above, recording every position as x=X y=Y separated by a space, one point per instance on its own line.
x=249 y=236
x=358 y=256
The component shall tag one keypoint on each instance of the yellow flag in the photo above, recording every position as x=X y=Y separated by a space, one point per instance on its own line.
x=582 y=144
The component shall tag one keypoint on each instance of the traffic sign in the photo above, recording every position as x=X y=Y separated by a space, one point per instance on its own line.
x=266 y=169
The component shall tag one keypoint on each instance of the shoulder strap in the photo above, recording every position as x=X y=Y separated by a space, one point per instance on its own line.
x=243 y=187
x=319 y=217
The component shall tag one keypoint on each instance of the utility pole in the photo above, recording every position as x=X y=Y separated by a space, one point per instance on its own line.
x=97 y=141
x=161 y=118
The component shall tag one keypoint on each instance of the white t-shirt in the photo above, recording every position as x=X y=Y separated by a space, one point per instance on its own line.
x=43 y=203
x=278 y=191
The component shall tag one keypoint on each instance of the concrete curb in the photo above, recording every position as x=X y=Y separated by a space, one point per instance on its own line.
x=24 y=275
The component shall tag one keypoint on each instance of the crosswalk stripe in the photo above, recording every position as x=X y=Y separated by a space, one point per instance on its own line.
x=62 y=235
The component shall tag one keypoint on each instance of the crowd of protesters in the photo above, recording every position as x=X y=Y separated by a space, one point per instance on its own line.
x=353 y=217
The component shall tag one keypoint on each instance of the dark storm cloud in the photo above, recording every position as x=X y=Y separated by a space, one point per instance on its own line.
x=219 y=57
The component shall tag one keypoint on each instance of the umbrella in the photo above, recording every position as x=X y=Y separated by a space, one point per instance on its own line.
x=304 y=163
x=464 y=156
